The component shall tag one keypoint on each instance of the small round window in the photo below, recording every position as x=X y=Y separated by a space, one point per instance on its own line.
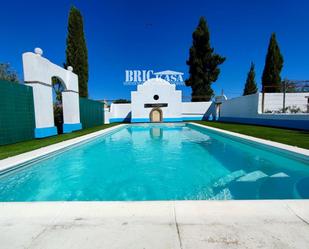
x=156 y=97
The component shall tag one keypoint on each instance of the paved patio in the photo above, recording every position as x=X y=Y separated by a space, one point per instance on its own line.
x=166 y=225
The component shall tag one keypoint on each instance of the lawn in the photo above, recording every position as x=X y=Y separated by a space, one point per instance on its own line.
x=18 y=148
x=291 y=137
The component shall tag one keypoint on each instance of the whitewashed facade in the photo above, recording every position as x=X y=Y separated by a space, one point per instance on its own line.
x=159 y=97
x=38 y=73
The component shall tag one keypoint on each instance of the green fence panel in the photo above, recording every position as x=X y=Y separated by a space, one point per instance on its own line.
x=91 y=113
x=17 y=120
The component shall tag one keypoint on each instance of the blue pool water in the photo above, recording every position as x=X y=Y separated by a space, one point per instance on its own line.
x=160 y=162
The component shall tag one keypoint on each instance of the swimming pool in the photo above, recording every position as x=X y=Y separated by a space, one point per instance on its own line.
x=160 y=162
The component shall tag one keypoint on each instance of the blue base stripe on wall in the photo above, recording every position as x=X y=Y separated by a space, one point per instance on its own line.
x=67 y=128
x=140 y=120
x=119 y=120
x=193 y=118
x=147 y=120
x=293 y=124
x=45 y=132
x=172 y=119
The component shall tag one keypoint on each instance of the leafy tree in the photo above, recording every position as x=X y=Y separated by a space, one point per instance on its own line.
x=57 y=90
x=271 y=79
x=76 y=50
x=58 y=107
x=250 y=86
x=203 y=64
x=121 y=101
x=6 y=73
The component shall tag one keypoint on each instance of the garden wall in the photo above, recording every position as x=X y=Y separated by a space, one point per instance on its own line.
x=91 y=113
x=197 y=110
x=189 y=111
x=120 y=113
x=247 y=109
x=17 y=120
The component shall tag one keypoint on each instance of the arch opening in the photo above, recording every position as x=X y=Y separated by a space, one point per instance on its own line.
x=156 y=115
x=58 y=87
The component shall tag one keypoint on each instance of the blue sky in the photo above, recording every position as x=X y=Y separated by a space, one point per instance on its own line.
x=157 y=35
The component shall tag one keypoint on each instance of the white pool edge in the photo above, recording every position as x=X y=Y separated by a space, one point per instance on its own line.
x=281 y=146
x=13 y=161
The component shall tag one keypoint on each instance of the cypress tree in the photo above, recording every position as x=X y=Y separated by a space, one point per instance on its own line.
x=250 y=86
x=271 y=80
x=203 y=64
x=76 y=50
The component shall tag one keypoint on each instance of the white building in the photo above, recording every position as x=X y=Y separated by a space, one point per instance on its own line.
x=157 y=100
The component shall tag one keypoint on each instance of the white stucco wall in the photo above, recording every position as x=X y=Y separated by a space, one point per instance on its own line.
x=43 y=105
x=39 y=69
x=38 y=73
x=244 y=106
x=119 y=112
x=70 y=102
x=167 y=94
x=176 y=110
x=247 y=109
x=251 y=105
x=197 y=110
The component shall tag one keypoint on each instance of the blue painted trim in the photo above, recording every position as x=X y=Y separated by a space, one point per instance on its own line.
x=45 y=132
x=147 y=120
x=140 y=120
x=172 y=119
x=294 y=124
x=193 y=118
x=119 y=120
x=67 y=128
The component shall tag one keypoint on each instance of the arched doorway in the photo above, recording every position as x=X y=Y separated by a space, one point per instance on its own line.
x=156 y=115
x=58 y=87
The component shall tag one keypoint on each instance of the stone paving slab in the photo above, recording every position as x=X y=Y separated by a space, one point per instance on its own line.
x=159 y=224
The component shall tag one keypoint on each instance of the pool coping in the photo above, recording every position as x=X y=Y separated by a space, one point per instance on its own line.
x=277 y=145
x=11 y=162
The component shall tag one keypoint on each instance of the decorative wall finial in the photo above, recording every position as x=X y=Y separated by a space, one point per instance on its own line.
x=38 y=51
x=70 y=68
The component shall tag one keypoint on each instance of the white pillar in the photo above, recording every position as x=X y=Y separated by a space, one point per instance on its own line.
x=70 y=104
x=43 y=109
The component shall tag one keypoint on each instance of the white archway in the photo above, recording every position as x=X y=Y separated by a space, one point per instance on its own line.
x=38 y=73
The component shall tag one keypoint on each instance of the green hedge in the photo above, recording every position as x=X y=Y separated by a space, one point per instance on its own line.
x=17 y=120
x=91 y=113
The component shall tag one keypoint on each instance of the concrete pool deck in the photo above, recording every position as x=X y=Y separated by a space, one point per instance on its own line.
x=161 y=224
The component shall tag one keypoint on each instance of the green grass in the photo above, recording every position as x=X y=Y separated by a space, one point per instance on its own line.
x=18 y=148
x=285 y=136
